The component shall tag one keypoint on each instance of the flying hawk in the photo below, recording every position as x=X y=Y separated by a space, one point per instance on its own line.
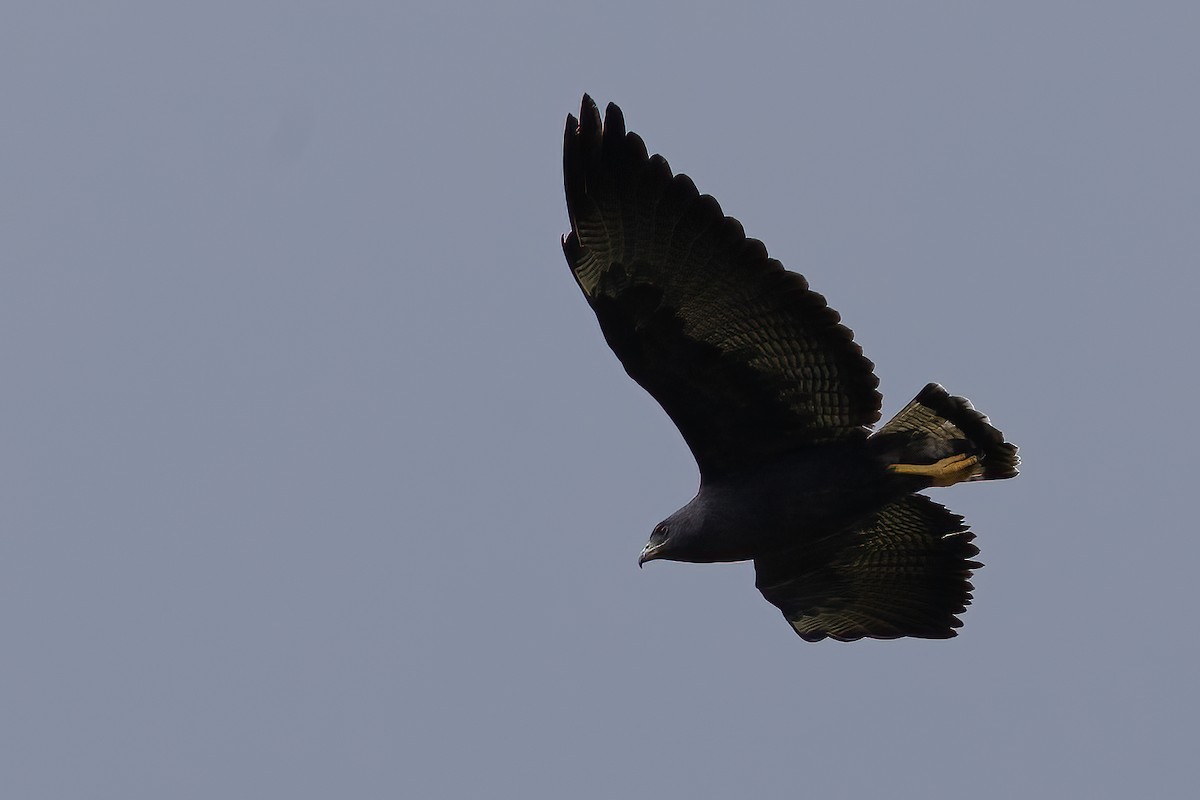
x=776 y=402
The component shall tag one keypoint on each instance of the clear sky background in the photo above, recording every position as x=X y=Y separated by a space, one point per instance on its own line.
x=318 y=480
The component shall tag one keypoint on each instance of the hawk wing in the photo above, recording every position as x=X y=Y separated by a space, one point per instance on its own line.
x=904 y=572
x=746 y=360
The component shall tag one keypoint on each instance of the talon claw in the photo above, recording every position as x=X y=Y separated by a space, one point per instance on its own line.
x=947 y=472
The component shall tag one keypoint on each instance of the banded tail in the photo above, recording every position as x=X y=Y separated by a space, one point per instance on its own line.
x=937 y=425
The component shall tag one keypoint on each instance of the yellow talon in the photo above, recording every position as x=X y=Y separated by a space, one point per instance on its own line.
x=946 y=472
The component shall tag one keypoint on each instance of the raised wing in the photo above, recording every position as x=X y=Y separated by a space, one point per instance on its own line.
x=747 y=361
x=905 y=572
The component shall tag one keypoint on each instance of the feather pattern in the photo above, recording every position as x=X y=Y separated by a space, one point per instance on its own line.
x=904 y=572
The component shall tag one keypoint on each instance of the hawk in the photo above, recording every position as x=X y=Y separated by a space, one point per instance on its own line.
x=776 y=402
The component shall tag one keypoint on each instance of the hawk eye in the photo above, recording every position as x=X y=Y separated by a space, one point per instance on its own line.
x=660 y=530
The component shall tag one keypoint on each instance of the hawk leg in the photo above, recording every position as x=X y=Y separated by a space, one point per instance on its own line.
x=947 y=472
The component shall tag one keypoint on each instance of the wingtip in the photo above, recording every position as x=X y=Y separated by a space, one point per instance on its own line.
x=589 y=124
x=584 y=105
x=590 y=117
x=614 y=121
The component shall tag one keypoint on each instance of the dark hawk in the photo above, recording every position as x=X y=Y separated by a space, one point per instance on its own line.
x=776 y=402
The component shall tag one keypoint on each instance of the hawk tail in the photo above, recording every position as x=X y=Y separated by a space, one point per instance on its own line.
x=937 y=424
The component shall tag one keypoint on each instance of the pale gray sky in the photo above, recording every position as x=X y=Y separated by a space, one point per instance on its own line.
x=317 y=478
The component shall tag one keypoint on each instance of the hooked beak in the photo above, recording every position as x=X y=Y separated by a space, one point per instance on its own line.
x=648 y=553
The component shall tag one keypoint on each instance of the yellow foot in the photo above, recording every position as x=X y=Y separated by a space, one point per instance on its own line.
x=946 y=472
